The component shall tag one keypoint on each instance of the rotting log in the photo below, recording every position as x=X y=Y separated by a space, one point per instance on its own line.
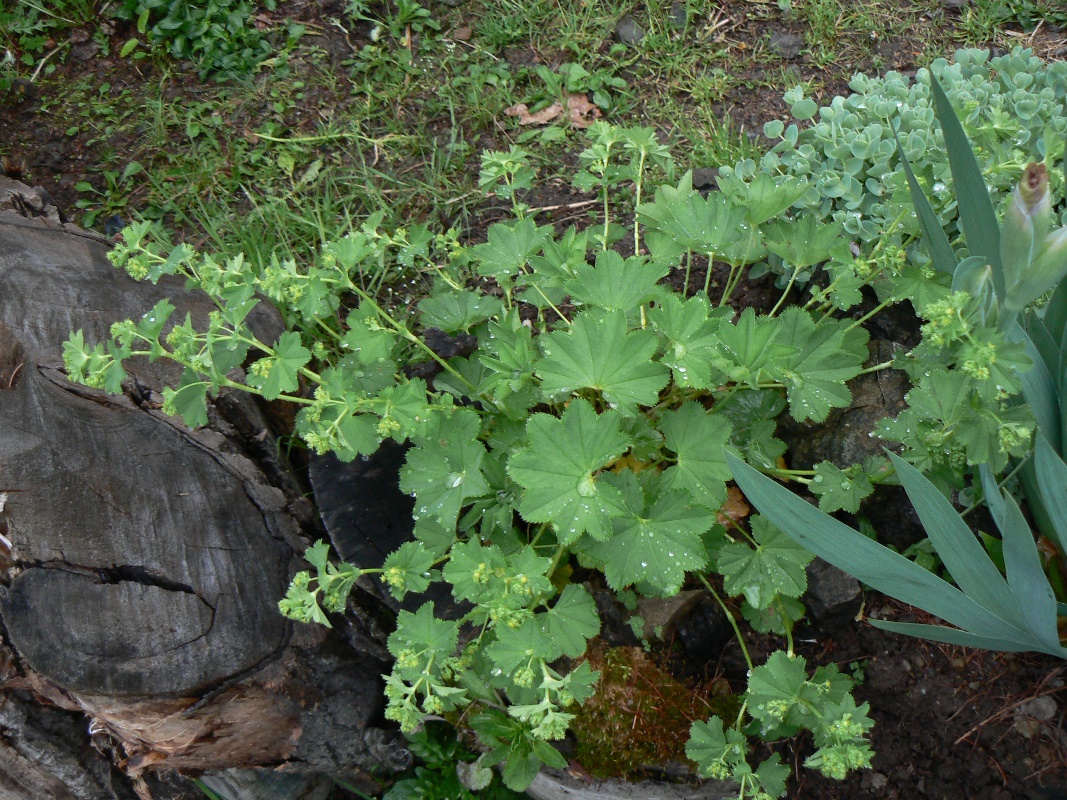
x=145 y=560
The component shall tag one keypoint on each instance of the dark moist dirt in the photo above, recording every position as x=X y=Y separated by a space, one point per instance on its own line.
x=951 y=723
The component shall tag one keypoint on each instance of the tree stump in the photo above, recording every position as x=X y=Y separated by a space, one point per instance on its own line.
x=144 y=561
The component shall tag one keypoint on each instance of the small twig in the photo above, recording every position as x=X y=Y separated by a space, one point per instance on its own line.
x=579 y=204
x=14 y=373
x=1030 y=41
x=1008 y=709
x=41 y=63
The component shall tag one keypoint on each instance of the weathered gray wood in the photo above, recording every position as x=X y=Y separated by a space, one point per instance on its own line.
x=552 y=784
x=146 y=560
x=159 y=573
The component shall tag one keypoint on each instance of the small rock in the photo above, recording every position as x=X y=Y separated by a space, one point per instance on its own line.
x=83 y=52
x=613 y=628
x=628 y=31
x=845 y=438
x=678 y=15
x=1042 y=708
x=704 y=632
x=21 y=90
x=876 y=781
x=705 y=178
x=661 y=614
x=955 y=5
x=787 y=45
x=832 y=594
x=461 y=34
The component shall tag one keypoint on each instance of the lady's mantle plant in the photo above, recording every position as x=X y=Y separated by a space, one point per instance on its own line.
x=587 y=426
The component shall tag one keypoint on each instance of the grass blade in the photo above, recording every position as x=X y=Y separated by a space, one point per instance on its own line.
x=975 y=209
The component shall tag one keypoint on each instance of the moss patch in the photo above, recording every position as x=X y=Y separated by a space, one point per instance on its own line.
x=640 y=715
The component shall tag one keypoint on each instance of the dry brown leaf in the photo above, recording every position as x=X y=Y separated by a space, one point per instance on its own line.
x=580 y=112
x=734 y=509
x=542 y=117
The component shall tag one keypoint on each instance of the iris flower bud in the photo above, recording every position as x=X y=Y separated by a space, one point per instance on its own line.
x=1034 y=260
x=1025 y=223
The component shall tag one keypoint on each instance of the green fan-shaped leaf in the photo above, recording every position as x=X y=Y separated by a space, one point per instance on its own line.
x=444 y=477
x=599 y=353
x=573 y=620
x=775 y=566
x=690 y=338
x=558 y=471
x=614 y=283
x=828 y=355
x=655 y=546
x=697 y=439
x=508 y=248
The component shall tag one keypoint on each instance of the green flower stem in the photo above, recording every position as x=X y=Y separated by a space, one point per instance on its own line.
x=707 y=279
x=228 y=384
x=402 y=329
x=555 y=558
x=335 y=335
x=785 y=293
x=1000 y=485
x=551 y=305
x=735 y=272
x=537 y=536
x=882 y=305
x=730 y=617
x=796 y=475
x=876 y=368
x=637 y=201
